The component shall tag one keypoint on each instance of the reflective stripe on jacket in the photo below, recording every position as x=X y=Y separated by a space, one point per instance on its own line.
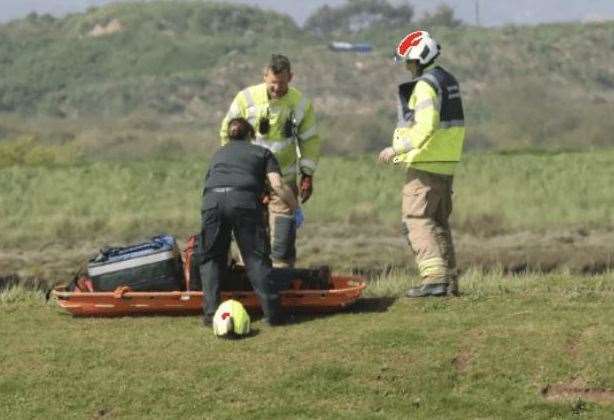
x=431 y=128
x=254 y=104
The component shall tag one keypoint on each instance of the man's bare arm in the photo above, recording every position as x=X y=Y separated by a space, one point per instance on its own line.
x=282 y=190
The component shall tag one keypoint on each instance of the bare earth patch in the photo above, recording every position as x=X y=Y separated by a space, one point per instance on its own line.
x=102 y=413
x=574 y=342
x=581 y=251
x=108 y=29
x=577 y=389
x=462 y=360
x=371 y=250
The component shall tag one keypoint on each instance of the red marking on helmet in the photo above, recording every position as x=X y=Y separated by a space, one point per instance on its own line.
x=225 y=315
x=409 y=41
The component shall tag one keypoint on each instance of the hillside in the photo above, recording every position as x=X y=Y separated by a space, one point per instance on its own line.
x=167 y=71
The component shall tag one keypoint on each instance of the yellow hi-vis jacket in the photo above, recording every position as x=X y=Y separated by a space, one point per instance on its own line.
x=292 y=137
x=431 y=128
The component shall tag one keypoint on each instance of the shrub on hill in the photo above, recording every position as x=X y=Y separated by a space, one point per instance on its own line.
x=357 y=15
x=180 y=63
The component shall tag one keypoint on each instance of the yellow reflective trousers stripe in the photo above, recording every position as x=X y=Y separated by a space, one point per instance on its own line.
x=433 y=267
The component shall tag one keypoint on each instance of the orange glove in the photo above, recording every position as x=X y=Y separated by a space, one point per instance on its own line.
x=306 y=187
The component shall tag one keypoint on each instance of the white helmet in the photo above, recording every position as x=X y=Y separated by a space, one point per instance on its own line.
x=231 y=318
x=418 y=45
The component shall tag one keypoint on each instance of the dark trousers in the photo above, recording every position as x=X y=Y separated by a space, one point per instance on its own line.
x=239 y=213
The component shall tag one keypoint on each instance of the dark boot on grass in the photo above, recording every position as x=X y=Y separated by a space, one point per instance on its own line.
x=428 y=290
x=453 y=287
x=207 y=320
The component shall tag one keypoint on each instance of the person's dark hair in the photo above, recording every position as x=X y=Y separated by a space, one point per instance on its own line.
x=279 y=64
x=240 y=129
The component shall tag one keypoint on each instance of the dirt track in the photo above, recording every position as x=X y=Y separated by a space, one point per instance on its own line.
x=368 y=251
x=581 y=252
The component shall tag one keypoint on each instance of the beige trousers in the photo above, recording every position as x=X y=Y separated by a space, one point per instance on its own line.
x=426 y=208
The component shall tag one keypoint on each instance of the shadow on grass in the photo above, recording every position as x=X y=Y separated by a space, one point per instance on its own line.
x=253 y=332
x=372 y=304
x=362 y=305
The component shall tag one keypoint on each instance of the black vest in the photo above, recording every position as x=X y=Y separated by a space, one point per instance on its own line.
x=448 y=92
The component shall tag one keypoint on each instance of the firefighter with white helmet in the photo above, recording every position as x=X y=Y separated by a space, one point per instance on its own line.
x=428 y=142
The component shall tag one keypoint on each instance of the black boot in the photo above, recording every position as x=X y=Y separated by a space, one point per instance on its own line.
x=427 y=290
x=453 y=287
x=207 y=320
x=272 y=311
x=310 y=278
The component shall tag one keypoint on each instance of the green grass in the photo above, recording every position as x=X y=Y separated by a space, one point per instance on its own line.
x=110 y=146
x=511 y=192
x=111 y=200
x=485 y=355
x=537 y=210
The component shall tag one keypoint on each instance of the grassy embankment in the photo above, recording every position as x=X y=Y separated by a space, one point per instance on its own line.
x=164 y=74
x=525 y=347
x=55 y=215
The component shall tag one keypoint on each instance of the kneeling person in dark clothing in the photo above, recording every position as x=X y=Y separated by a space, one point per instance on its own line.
x=234 y=184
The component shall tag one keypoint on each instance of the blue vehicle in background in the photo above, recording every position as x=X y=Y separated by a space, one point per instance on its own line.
x=362 y=48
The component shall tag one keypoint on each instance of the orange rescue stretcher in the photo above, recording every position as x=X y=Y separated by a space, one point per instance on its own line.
x=345 y=290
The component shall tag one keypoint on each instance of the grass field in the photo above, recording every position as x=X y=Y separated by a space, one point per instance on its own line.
x=122 y=199
x=535 y=209
x=109 y=146
x=529 y=346
x=513 y=346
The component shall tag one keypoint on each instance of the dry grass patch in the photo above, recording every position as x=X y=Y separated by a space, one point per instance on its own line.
x=577 y=390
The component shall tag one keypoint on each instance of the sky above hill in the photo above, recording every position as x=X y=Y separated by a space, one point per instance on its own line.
x=488 y=12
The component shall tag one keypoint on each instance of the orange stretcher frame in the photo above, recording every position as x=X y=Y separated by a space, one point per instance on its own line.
x=122 y=302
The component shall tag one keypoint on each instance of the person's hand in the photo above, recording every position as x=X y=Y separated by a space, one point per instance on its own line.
x=386 y=155
x=306 y=187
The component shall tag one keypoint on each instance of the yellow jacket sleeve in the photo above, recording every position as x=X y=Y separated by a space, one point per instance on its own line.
x=237 y=109
x=424 y=103
x=308 y=141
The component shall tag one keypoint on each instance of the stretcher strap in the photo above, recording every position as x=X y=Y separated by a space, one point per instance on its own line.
x=187 y=260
